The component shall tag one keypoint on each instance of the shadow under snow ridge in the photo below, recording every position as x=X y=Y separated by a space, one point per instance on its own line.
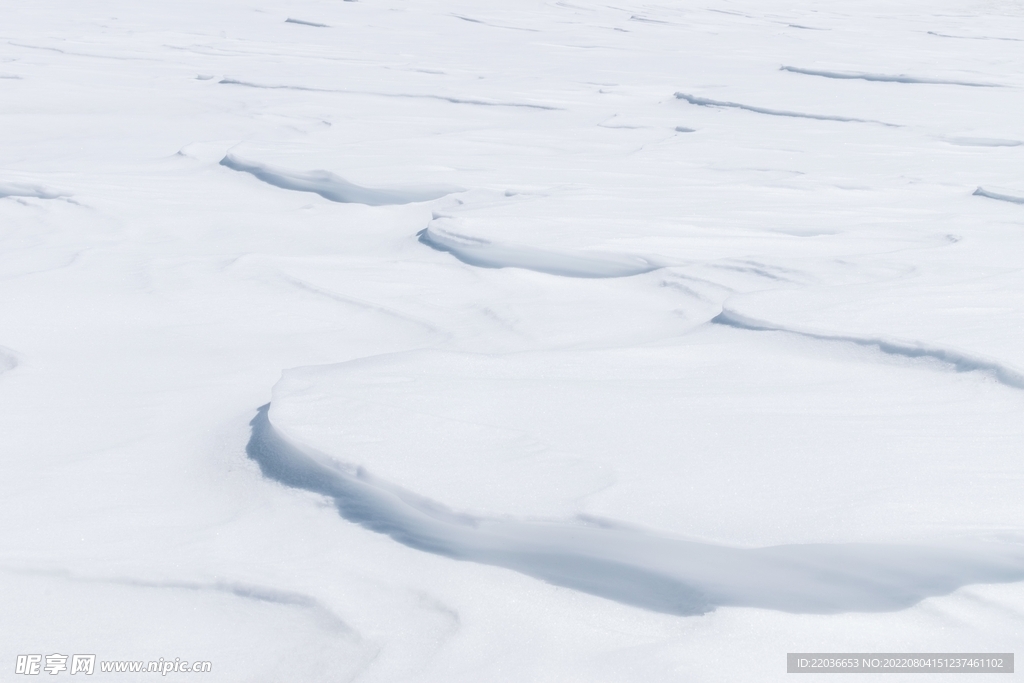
x=704 y=102
x=333 y=187
x=660 y=574
x=303 y=22
x=23 y=190
x=982 y=192
x=8 y=361
x=958 y=361
x=883 y=78
x=440 y=234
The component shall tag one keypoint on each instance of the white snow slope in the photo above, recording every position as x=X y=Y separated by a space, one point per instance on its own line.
x=489 y=341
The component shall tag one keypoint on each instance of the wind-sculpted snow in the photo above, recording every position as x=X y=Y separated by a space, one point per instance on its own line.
x=946 y=35
x=705 y=102
x=983 y=142
x=982 y=192
x=26 y=190
x=444 y=98
x=632 y=567
x=961 y=362
x=441 y=234
x=493 y=25
x=332 y=187
x=883 y=78
x=302 y=22
x=520 y=408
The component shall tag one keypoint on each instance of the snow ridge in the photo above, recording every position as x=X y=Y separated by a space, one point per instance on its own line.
x=705 y=102
x=656 y=573
x=443 y=98
x=289 y=20
x=983 y=142
x=883 y=78
x=444 y=234
x=982 y=192
x=959 y=361
x=24 y=190
x=946 y=35
x=333 y=187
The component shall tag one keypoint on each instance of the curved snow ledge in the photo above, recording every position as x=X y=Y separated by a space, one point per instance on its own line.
x=982 y=192
x=333 y=187
x=24 y=190
x=441 y=234
x=704 y=102
x=883 y=78
x=961 y=362
x=631 y=567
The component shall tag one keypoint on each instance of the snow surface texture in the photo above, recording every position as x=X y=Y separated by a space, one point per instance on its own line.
x=462 y=341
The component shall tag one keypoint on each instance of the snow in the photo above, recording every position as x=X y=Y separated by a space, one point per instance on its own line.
x=451 y=341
